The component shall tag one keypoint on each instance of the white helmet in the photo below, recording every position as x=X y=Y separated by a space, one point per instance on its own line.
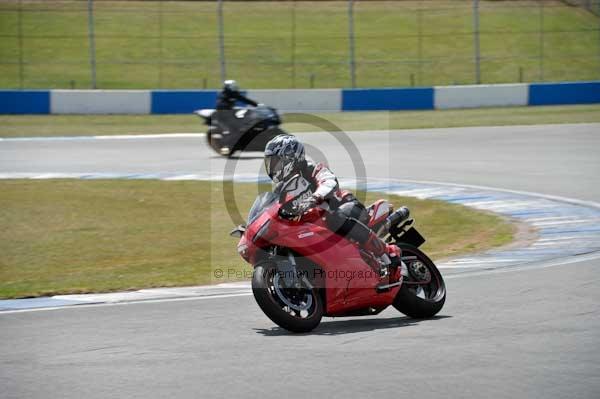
x=230 y=85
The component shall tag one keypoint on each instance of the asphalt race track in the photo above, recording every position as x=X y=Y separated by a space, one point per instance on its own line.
x=531 y=333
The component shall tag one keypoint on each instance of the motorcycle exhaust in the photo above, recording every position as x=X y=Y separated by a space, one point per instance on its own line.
x=394 y=220
x=398 y=216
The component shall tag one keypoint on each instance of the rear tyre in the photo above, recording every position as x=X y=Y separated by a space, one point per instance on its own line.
x=296 y=310
x=423 y=293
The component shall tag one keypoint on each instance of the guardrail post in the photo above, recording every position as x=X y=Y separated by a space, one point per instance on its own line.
x=476 y=41
x=20 y=33
x=420 y=43
x=541 y=43
x=293 y=44
x=351 y=42
x=160 y=44
x=221 y=40
x=92 y=42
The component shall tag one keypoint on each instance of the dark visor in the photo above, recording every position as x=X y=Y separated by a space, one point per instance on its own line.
x=273 y=165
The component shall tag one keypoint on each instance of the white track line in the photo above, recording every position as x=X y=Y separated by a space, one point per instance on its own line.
x=108 y=137
x=558 y=198
x=94 y=305
x=545 y=265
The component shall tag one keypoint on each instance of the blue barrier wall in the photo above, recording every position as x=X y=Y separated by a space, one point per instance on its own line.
x=181 y=102
x=387 y=99
x=326 y=100
x=24 y=102
x=564 y=93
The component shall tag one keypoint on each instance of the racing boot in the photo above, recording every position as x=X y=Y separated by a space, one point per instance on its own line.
x=395 y=254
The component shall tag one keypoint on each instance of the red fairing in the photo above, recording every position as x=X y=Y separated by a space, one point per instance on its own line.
x=378 y=212
x=348 y=280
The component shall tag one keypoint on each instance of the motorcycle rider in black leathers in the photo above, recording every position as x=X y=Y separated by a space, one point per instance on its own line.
x=285 y=157
x=230 y=95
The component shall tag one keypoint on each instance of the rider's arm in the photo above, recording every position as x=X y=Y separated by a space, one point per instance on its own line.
x=327 y=184
x=326 y=187
x=240 y=97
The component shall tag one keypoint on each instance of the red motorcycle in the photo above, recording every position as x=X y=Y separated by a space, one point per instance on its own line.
x=304 y=271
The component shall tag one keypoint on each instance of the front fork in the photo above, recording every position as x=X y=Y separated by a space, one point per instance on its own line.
x=292 y=277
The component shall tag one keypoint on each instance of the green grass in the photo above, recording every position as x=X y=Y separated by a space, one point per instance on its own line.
x=67 y=236
x=76 y=125
x=151 y=44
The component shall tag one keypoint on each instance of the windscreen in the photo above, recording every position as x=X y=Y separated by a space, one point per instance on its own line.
x=262 y=112
x=261 y=203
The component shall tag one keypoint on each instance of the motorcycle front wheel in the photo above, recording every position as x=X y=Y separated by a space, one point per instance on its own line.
x=214 y=137
x=295 y=309
x=423 y=292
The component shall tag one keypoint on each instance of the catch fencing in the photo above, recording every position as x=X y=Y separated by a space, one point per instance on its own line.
x=295 y=44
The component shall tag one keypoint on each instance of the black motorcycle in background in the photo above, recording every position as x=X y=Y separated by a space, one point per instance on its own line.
x=240 y=129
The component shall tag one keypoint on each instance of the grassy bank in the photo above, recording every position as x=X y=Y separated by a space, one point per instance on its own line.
x=174 y=44
x=66 y=236
x=83 y=125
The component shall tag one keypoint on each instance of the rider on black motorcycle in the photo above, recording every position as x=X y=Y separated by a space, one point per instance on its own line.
x=284 y=158
x=230 y=95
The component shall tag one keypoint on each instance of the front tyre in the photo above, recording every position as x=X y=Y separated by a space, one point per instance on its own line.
x=423 y=292
x=213 y=138
x=295 y=309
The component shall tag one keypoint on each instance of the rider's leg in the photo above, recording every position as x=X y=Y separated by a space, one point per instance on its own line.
x=349 y=220
x=374 y=244
x=352 y=228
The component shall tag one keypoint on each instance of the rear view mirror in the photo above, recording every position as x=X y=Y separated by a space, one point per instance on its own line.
x=238 y=231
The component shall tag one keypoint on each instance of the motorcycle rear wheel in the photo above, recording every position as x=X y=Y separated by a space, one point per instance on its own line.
x=420 y=301
x=271 y=297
